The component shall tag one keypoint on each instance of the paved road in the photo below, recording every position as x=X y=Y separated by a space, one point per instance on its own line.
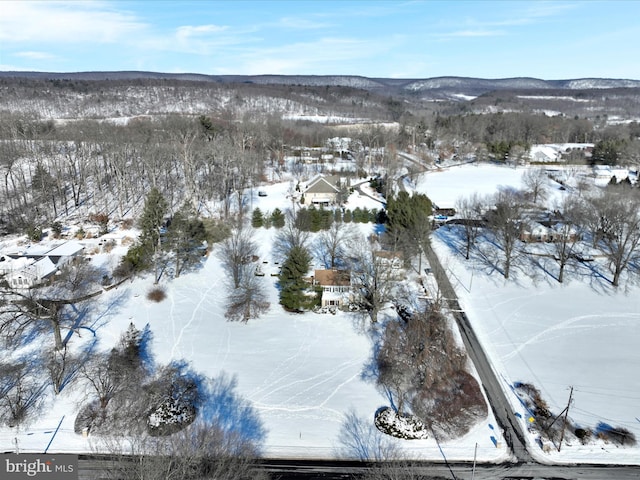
x=513 y=431
x=94 y=469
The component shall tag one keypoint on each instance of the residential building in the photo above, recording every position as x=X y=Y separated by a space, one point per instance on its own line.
x=336 y=287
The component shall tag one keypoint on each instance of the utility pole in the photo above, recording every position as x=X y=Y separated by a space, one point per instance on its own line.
x=475 y=453
x=564 y=422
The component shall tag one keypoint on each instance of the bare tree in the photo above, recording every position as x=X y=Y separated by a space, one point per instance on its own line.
x=236 y=251
x=420 y=363
x=21 y=391
x=469 y=210
x=616 y=215
x=102 y=375
x=248 y=300
x=224 y=442
x=395 y=366
x=504 y=220
x=332 y=244
x=22 y=311
x=360 y=439
x=372 y=279
x=59 y=305
x=62 y=366
x=289 y=237
x=75 y=280
x=517 y=155
x=567 y=233
x=534 y=181
x=201 y=451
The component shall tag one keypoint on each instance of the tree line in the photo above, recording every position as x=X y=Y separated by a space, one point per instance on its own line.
x=607 y=220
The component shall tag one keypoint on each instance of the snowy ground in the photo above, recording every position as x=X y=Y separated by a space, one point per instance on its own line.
x=582 y=333
x=303 y=373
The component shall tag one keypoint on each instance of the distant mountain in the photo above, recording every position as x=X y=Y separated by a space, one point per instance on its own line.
x=131 y=93
x=459 y=85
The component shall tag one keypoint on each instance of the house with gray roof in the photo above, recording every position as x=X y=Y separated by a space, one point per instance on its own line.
x=322 y=191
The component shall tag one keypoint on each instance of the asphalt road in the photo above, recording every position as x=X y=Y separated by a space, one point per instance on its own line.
x=93 y=468
x=513 y=433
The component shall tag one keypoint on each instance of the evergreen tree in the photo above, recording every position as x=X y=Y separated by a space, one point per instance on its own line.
x=277 y=218
x=347 y=216
x=148 y=247
x=185 y=237
x=408 y=224
x=292 y=286
x=257 y=220
x=303 y=219
x=326 y=218
x=43 y=189
x=315 y=217
x=155 y=209
x=607 y=152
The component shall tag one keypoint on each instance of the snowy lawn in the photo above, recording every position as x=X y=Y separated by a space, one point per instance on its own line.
x=582 y=333
x=303 y=373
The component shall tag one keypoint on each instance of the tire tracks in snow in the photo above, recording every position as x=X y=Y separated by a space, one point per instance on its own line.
x=196 y=310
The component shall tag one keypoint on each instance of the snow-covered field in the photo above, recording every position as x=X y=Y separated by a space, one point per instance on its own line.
x=582 y=333
x=303 y=373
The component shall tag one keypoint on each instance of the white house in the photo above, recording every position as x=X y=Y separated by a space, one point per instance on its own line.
x=322 y=191
x=35 y=264
x=33 y=274
x=336 y=287
x=544 y=154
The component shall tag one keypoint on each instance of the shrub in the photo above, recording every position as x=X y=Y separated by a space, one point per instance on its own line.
x=101 y=219
x=216 y=231
x=399 y=425
x=34 y=234
x=127 y=241
x=157 y=294
x=56 y=228
x=257 y=220
x=616 y=435
x=127 y=223
x=583 y=435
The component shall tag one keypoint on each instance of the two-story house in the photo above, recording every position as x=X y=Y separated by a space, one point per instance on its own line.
x=336 y=287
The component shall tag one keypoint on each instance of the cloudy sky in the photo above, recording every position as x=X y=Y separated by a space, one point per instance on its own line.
x=376 y=38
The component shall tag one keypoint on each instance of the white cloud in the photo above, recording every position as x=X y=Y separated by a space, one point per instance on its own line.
x=188 y=31
x=65 y=21
x=5 y=67
x=322 y=56
x=33 y=55
x=299 y=23
x=472 y=33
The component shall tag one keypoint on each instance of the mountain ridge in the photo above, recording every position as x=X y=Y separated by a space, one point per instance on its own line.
x=472 y=85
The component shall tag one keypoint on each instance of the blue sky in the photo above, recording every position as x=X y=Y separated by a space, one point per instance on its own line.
x=402 y=39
